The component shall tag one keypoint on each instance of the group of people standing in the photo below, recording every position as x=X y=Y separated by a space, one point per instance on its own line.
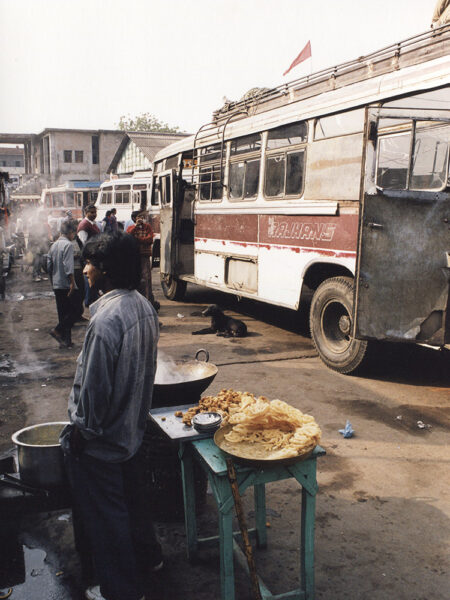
x=65 y=266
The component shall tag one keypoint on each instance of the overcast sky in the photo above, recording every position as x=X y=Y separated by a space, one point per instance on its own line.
x=84 y=63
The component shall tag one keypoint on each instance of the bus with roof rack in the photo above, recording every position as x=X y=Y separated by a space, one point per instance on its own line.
x=333 y=187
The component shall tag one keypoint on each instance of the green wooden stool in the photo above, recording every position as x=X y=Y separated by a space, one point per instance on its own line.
x=212 y=459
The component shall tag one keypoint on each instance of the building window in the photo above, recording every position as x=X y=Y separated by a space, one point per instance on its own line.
x=67 y=156
x=78 y=156
x=95 y=150
x=17 y=162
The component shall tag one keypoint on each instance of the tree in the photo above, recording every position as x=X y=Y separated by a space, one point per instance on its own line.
x=145 y=122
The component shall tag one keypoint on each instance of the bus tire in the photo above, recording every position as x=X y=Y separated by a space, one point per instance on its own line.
x=330 y=325
x=175 y=289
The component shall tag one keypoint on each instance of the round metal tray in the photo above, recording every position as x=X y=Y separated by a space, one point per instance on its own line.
x=240 y=456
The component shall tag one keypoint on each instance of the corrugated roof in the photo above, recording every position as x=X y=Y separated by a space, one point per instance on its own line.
x=149 y=142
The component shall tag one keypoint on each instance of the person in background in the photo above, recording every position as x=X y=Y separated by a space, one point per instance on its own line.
x=132 y=220
x=106 y=222
x=114 y=224
x=60 y=268
x=87 y=229
x=39 y=240
x=77 y=297
x=68 y=215
x=20 y=233
x=4 y=259
x=143 y=233
x=108 y=408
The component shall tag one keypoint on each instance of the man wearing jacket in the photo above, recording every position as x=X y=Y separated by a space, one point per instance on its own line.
x=108 y=409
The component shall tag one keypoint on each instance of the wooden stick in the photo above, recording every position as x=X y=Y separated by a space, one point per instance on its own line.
x=243 y=527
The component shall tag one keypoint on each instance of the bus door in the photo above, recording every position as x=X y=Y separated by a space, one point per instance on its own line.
x=165 y=183
x=402 y=271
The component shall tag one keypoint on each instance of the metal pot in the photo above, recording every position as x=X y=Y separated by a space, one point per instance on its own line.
x=40 y=457
x=195 y=375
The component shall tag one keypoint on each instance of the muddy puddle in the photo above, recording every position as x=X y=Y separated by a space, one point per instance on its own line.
x=19 y=296
x=30 y=576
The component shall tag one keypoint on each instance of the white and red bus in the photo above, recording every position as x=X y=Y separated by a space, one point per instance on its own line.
x=73 y=196
x=336 y=183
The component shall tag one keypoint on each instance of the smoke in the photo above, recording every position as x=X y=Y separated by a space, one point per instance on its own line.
x=168 y=371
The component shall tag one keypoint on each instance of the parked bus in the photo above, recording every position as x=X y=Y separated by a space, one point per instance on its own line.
x=73 y=195
x=127 y=195
x=335 y=184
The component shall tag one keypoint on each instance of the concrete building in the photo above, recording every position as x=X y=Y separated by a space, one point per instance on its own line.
x=12 y=160
x=55 y=156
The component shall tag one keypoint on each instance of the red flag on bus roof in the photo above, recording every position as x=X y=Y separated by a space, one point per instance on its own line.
x=304 y=54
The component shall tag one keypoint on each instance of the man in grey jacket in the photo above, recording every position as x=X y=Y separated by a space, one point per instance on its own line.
x=60 y=267
x=108 y=408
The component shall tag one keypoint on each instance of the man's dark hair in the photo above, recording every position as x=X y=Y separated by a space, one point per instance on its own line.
x=68 y=227
x=118 y=256
x=90 y=207
x=134 y=215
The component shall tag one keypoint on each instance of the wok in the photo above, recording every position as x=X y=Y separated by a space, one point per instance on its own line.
x=191 y=378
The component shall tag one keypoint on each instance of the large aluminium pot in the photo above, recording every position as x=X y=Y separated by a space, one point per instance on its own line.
x=186 y=382
x=40 y=457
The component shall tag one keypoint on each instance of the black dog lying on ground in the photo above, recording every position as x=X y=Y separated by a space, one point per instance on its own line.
x=221 y=324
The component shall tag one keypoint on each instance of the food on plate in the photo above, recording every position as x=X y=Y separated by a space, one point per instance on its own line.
x=225 y=403
x=178 y=413
x=263 y=429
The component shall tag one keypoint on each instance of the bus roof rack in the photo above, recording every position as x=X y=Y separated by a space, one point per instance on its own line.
x=414 y=50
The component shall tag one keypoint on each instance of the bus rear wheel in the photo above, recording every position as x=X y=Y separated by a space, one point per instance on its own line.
x=330 y=324
x=173 y=289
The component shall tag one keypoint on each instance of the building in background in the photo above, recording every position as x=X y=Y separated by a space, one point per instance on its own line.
x=137 y=150
x=54 y=156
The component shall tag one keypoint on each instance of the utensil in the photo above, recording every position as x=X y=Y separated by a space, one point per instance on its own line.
x=196 y=375
x=243 y=527
x=40 y=458
x=207 y=421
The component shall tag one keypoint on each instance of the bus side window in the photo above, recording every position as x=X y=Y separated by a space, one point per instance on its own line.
x=393 y=161
x=70 y=199
x=285 y=167
x=243 y=178
x=430 y=156
x=164 y=186
x=210 y=184
x=155 y=194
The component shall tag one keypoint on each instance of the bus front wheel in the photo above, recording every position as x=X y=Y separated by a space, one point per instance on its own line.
x=330 y=324
x=173 y=289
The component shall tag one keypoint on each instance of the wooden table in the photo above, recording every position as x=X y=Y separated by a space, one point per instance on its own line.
x=201 y=448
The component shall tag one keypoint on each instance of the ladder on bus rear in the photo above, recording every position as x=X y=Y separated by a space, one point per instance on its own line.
x=210 y=155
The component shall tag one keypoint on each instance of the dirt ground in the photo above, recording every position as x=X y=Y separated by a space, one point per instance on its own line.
x=383 y=508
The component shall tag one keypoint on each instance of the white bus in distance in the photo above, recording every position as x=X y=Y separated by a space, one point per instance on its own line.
x=126 y=195
x=72 y=195
x=337 y=183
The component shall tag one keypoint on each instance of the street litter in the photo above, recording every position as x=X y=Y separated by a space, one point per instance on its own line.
x=422 y=425
x=180 y=316
x=399 y=418
x=65 y=517
x=348 y=431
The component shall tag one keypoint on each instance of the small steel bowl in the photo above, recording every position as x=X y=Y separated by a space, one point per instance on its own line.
x=207 y=421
